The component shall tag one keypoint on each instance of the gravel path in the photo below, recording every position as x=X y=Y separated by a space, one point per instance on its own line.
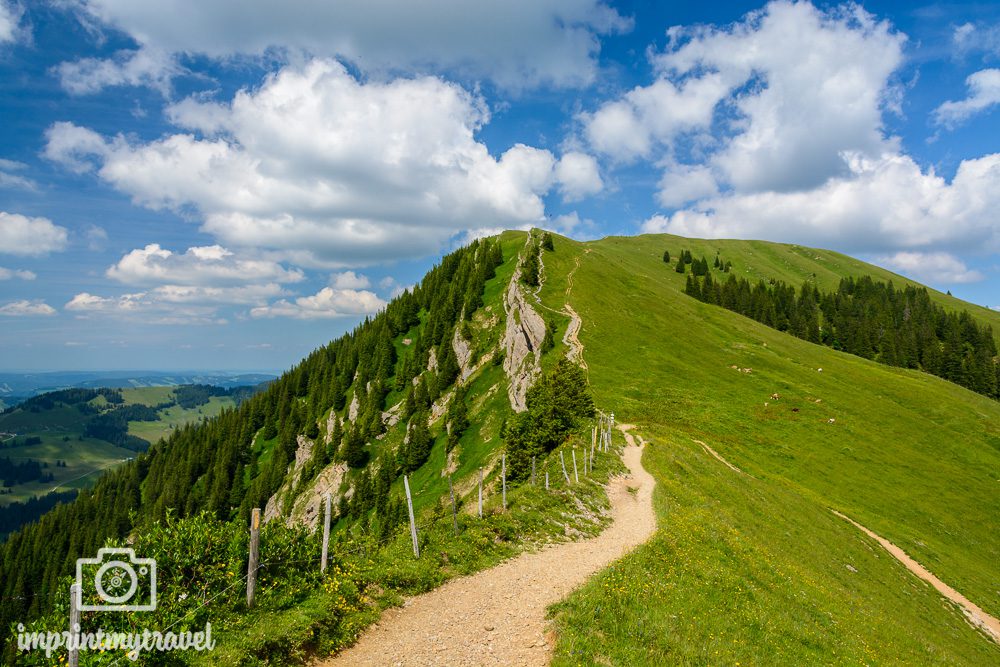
x=973 y=613
x=497 y=617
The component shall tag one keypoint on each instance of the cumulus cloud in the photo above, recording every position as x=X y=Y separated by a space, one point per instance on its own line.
x=983 y=92
x=932 y=267
x=557 y=39
x=9 y=178
x=8 y=274
x=10 y=19
x=21 y=235
x=142 y=67
x=883 y=204
x=330 y=171
x=578 y=176
x=25 y=308
x=201 y=265
x=350 y=280
x=327 y=303
x=744 y=102
x=159 y=306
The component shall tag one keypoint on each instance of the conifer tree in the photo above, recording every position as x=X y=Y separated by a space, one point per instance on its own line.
x=680 y=265
x=666 y=256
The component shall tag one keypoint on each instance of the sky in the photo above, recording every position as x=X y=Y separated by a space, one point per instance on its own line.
x=227 y=185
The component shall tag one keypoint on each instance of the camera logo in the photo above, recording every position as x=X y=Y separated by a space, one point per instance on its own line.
x=116 y=581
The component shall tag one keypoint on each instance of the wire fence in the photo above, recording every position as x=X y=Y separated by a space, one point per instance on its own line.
x=601 y=441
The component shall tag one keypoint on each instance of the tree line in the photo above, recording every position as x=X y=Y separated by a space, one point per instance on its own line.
x=235 y=462
x=870 y=319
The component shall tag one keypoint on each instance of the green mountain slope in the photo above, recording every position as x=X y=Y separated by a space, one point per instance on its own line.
x=751 y=568
x=757 y=568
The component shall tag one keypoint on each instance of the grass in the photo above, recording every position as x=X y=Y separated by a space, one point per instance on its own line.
x=910 y=456
x=176 y=417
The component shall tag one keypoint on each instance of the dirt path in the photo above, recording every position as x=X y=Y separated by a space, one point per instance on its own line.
x=497 y=617
x=976 y=616
x=719 y=456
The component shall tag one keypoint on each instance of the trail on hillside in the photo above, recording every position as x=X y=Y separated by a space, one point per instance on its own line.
x=497 y=617
x=719 y=456
x=976 y=616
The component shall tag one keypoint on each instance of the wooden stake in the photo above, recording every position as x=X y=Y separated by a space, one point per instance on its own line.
x=454 y=506
x=254 y=556
x=576 y=474
x=326 y=533
x=532 y=470
x=413 y=522
x=562 y=460
x=503 y=476
x=546 y=480
x=74 y=623
x=480 y=493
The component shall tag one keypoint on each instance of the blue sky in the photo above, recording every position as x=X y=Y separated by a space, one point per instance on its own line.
x=193 y=185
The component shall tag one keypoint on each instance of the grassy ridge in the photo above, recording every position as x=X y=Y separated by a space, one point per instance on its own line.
x=911 y=456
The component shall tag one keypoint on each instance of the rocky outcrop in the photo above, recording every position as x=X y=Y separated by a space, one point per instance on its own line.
x=303 y=453
x=463 y=352
x=522 y=343
x=432 y=360
x=439 y=407
x=352 y=412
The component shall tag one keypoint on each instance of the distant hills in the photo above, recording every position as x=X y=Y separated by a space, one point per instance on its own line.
x=17 y=387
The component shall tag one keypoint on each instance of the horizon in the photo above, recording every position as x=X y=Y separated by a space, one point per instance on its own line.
x=189 y=199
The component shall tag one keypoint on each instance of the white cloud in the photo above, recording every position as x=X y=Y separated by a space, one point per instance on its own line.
x=983 y=93
x=97 y=238
x=969 y=37
x=21 y=235
x=350 y=280
x=160 y=306
x=10 y=19
x=882 y=205
x=26 y=308
x=329 y=171
x=682 y=184
x=142 y=67
x=201 y=265
x=770 y=103
x=518 y=43
x=10 y=179
x=326 y=303
x=578 y=176
x=8 y=274
x=932 y=267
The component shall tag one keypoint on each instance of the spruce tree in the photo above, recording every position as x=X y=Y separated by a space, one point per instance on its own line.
x=666 y=256
x=680 y=265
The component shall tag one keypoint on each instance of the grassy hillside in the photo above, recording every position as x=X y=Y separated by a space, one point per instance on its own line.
x=61 y=429
x=756 y=569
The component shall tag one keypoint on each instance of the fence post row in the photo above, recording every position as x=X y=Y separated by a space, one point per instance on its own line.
x=254 y=556
x=413 y=523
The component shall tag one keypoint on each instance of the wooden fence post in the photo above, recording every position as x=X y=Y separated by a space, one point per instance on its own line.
x=326 y=532
x=74 y=624
x=413 y=522
x=503 y=475
x=546 y=480
x=454 y=506
x=562 y=460
x=532 y=470
x=576 y=473
x=480 y=493
x=254 y=556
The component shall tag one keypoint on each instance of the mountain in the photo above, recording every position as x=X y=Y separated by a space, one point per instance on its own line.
x=507 y=346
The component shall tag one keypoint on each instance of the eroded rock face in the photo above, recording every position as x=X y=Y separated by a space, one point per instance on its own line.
x=522 y=343
x=463 y=352
x=309 y=507
x=352 y=412
x=303 y=453
x=432 y=360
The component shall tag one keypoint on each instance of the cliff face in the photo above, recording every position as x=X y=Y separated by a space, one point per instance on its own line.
x=522 y=343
